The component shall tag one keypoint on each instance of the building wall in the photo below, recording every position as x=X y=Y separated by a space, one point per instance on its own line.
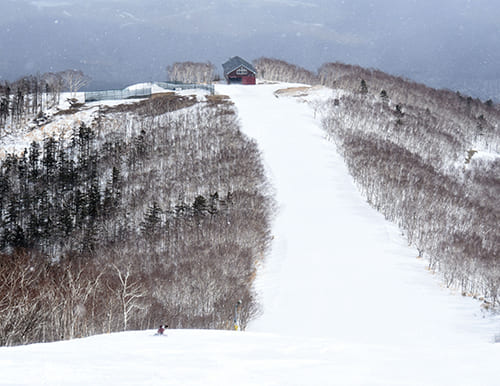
x=250 y=79
x=237 y=76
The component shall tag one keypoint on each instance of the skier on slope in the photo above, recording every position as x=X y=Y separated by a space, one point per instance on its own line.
x=162 y=329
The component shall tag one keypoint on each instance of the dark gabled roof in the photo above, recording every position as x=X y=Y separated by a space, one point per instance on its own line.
x=235 y=62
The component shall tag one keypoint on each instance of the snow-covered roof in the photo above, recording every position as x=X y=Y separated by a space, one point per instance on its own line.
x=235 y=62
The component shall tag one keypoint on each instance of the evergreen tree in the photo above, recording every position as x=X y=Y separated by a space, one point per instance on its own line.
x=214 y=203
x=34 y=227
x=17 y=238
x=152 y=221
x=67 y=175
x=200 y=205
x=112 y=193
x=399 y=110
x=34 y=157
x=79 y=208
x=12 y=225
x=49 y=160
x=46 y=213
x=384 y=96
x=65 y=220
x=363 y=89
x=4 y=191
x=94 y=200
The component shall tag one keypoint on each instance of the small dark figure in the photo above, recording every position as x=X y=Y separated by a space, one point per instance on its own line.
x=161 y=330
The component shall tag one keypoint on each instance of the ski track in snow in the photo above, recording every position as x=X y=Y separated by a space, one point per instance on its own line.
x=345 y=301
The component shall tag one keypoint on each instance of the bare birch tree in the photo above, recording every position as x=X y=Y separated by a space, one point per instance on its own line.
x=74 y=80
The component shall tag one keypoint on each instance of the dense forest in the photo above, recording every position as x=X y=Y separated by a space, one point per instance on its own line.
x=427 y=159
x=156 y=212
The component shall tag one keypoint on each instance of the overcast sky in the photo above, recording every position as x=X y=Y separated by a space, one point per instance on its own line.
x=452 y=44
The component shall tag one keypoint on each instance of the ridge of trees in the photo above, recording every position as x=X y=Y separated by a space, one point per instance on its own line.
x=281 y=71
x=413 y=152
x=191 y=72
x=157 y=212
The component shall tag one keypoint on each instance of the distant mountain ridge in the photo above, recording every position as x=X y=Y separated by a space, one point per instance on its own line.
x=119 y=43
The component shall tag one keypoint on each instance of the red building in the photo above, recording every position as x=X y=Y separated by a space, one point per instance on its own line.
x=237 y=70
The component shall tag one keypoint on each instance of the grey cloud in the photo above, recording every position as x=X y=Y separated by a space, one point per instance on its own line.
x=451 y=43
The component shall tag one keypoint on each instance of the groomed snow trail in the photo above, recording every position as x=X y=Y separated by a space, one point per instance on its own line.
x=337 y=268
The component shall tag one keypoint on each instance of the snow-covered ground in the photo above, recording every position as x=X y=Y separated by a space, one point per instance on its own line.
x=345 y=301
x=62 y=126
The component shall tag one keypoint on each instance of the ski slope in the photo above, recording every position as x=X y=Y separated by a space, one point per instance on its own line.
x=345 y=301
x=337 y=264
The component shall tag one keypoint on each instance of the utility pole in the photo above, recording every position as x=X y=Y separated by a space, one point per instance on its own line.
x=236 y=315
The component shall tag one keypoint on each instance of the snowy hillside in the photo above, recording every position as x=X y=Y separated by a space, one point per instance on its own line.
x=345 y=301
